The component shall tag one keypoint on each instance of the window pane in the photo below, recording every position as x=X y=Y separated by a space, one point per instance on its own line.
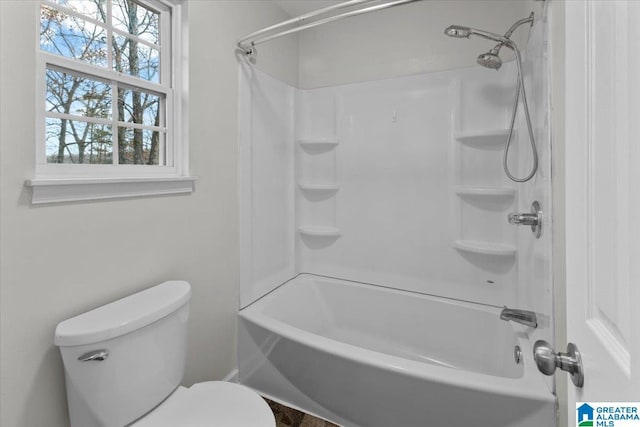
x=139 y=146
x=72 y=141
x=72 y=37
x=136 y=59
x=139 y=107
x=133 y=18
x=71 y=93
x=96 y=9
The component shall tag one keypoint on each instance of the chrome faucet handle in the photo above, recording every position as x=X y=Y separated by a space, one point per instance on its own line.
x=533 y=219
x=523 y=218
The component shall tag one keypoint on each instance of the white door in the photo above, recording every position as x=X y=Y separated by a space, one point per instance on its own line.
x=602 y=169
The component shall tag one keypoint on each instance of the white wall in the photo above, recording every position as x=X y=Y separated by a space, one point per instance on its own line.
x=404 y=40
x=55 y=264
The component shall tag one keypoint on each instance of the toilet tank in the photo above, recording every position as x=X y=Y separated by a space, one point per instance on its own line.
x=135 y=350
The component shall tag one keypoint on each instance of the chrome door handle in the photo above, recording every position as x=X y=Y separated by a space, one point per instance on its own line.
x=548 y=360
x=95 y=355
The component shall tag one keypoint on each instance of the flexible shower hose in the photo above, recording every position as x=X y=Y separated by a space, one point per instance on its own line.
x=534 y=152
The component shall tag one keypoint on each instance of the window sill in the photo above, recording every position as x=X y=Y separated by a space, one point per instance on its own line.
x=80 y=189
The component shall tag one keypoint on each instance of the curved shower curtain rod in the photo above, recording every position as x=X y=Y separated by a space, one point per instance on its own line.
x=248 y=43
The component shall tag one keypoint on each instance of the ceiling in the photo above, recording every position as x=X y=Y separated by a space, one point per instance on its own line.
x=298 y=7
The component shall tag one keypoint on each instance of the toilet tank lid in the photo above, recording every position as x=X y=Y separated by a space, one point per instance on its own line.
x=123 y=316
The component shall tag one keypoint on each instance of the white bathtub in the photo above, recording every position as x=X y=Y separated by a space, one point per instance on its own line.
x=368 y=356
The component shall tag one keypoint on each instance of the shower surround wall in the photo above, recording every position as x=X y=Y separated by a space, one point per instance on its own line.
x=398 y=166
x=266 y=181
x=395 y=182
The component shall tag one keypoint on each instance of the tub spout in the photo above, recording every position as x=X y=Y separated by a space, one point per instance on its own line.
x=523 y=317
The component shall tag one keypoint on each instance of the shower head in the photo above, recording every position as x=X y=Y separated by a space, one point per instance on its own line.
x=458 y=31
x=491 y=59
x=488 y=59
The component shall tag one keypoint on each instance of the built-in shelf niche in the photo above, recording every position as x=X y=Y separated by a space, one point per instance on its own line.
x=486 y=248
x=483 y=196
x=489 y=192
x=488 y=138
x=315 y=187
x=318 y=143
x=319 y=231
x=317 y=176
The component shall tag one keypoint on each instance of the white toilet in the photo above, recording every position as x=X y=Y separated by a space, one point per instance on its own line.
x=124 y=362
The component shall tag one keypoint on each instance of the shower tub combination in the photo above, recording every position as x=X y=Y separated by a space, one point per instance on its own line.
x=396 y=182
x=370 y=356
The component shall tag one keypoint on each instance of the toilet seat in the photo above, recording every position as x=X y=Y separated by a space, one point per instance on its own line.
x=210 y=404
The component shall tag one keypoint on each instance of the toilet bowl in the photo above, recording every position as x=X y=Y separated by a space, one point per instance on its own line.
x=214 y=403
x=124 y=363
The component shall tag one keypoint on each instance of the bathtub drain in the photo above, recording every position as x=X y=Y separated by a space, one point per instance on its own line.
x=517 y=354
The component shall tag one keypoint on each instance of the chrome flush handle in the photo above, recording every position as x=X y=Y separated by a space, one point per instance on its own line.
x=95 y=355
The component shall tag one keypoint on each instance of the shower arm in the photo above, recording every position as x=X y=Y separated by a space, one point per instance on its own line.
x=507 y=35
x=522 y=21
x=248 y=43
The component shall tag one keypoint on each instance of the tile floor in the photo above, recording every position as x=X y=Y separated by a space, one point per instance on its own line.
x=288 y=417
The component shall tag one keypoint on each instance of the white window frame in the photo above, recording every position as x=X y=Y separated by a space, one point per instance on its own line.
x=55 y=182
